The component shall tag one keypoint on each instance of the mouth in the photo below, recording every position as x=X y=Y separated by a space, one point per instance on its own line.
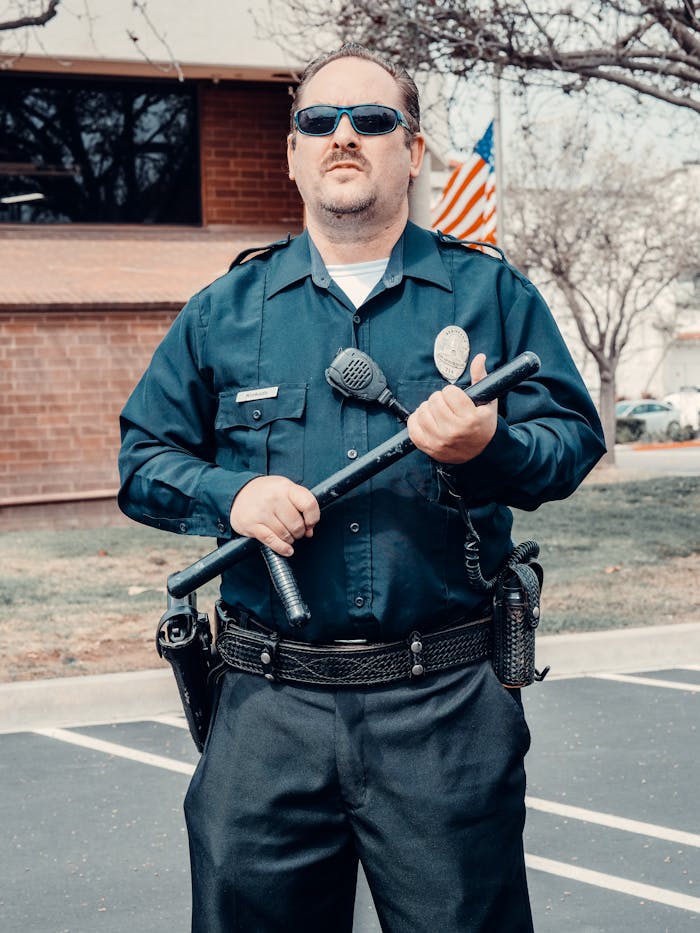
x=344 y=165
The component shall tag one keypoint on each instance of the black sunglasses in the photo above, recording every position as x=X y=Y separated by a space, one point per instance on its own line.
x=366 y=119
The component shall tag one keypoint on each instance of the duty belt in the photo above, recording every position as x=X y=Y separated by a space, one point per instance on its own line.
x=352 y=665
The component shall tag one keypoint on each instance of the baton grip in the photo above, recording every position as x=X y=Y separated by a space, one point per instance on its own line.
x=285 y=584
x=491 y=387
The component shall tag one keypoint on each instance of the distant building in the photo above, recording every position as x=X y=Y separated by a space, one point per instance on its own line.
x=129 y=178
x=664 y=354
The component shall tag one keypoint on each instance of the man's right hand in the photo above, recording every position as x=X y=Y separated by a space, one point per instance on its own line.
x=276 y=511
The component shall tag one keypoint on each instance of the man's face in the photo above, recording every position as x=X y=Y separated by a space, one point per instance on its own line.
x=347 y=175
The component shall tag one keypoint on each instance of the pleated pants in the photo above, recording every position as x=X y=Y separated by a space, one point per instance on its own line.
x=422 y=782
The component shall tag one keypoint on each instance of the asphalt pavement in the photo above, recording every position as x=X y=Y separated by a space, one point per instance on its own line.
x=94 y=771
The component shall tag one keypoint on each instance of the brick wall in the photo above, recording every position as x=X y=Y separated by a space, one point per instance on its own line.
x=65 y=374
x=243 y=151
x=64 y=377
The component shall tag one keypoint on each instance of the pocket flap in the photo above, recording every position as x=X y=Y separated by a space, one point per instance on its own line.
x=289 y=402
x=412 y=392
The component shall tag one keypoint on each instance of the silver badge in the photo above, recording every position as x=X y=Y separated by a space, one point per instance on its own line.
x=451 y=352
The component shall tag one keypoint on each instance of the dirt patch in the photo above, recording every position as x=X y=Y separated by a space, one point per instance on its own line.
x=87 y=602
x=616 y=553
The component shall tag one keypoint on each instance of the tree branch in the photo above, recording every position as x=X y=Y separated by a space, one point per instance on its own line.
x=651 y=48
x=41 y=19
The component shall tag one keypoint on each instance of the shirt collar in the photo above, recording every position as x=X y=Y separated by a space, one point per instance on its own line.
x=422 y=258
x=415 y=255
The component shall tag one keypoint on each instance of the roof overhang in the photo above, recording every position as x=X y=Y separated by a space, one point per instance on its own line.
x=75 y=65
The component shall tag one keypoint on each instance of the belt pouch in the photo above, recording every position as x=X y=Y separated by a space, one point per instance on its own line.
x=516 y=614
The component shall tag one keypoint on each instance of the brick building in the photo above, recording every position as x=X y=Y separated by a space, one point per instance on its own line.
x=94 y=264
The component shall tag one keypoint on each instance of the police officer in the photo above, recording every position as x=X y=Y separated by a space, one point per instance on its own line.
x=416 y=767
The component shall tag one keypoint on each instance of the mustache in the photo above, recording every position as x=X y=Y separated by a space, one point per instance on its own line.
x=344 y=155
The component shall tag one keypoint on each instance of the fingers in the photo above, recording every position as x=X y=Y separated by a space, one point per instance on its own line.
x=276 y=511
x=477 y=370
x=449 y=427
x=308 y=507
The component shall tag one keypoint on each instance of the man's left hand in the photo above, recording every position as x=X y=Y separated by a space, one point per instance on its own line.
x=449 y=427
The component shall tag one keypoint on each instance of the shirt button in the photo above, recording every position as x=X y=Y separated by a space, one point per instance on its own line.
x=352 y=454
x=183 y=527
x=356 y=318
x=354 y=527
x=359 y=601
x=257 y=415
x=221 y=528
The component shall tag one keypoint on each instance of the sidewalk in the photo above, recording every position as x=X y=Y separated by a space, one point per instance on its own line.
x=76 y=701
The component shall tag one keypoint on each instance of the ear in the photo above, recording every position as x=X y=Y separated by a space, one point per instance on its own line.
x=417 y=150
x=291 y=146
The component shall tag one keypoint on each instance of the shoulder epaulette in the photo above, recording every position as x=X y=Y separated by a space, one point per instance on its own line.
x=260 y=250
x=453 y=241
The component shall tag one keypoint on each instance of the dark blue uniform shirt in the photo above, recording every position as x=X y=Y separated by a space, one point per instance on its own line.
x=388 y=557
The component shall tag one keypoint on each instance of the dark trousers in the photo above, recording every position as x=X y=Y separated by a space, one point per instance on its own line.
x=423 y=782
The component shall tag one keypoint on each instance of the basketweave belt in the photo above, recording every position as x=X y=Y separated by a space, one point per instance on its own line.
x=355 y=665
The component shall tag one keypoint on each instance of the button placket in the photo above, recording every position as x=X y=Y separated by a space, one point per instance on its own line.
x=357 y=546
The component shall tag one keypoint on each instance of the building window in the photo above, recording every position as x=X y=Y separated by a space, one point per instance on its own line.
x=98 y=151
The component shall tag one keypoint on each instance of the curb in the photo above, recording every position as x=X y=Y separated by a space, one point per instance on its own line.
x=139 y=695
x=87 y=700
x=625 y=650
x=665 y=445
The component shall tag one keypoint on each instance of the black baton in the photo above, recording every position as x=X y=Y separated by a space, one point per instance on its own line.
x=492 y=386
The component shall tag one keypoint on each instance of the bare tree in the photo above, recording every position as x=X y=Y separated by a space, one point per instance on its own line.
x=610 y=250
x=651 y=47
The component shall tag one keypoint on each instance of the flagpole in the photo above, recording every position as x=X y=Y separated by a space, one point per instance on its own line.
x=498 y=155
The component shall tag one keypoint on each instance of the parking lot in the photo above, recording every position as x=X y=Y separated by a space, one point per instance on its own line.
x=94 y=837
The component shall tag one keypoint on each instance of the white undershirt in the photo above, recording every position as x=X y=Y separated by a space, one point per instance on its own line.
x=357 y=279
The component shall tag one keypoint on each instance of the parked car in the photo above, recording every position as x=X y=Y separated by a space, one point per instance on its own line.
x=687 y=401
x=659 y=418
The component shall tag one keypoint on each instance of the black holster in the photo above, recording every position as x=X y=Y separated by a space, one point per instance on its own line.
x=184 y=639
x=516 y=615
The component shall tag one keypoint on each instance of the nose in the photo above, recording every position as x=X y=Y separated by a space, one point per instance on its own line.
x=345 y=136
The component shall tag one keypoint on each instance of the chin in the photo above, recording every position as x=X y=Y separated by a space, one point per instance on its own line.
x=349 y=206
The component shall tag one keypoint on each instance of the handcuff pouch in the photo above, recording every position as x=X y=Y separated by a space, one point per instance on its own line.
x=516 y=615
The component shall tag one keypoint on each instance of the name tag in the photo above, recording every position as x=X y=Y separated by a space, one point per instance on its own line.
x=252 y=395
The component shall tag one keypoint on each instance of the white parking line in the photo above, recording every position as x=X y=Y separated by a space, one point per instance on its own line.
x=646 y=892
x=614 y=822
x=120 y=751
x=535 y=862
x=178 y=721
x=648 y=682
x=653 y=830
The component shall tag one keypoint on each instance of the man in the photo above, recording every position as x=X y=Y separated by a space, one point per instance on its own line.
x=421 y=776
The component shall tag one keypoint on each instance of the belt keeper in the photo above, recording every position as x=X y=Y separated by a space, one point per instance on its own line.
x=415 y=645
x=268 y=655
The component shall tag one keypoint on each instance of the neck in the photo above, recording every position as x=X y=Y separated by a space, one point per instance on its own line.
x=350 y=240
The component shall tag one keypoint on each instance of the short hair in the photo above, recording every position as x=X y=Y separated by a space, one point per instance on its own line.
x=406 y=84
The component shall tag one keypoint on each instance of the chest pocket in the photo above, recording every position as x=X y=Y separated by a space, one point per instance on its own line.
x=263 y=435
x=419 y=470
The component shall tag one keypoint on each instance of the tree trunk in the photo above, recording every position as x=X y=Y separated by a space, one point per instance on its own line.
x=606 y=406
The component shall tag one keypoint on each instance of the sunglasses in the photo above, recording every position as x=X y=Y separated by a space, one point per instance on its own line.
x=366 y=119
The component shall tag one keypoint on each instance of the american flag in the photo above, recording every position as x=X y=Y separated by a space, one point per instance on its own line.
x=467 y=206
